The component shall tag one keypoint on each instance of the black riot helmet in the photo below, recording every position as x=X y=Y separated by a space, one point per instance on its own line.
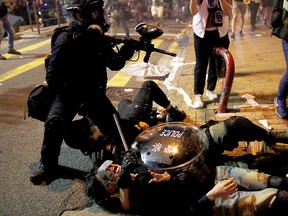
x=86 y=8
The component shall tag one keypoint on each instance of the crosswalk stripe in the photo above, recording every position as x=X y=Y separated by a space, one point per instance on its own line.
x=120 y=79
x=29 y=48
x=22 y=69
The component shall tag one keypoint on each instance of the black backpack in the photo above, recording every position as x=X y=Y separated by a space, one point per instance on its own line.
x=279 y=29
x=39 y=102
x=40 y=98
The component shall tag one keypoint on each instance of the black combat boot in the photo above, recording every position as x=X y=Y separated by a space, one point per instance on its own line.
x=44 y=174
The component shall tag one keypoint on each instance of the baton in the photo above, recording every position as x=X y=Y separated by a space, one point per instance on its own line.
x=120 y=132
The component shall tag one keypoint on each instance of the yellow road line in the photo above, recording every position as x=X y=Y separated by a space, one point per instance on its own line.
x=24 y=68
x=29 y=48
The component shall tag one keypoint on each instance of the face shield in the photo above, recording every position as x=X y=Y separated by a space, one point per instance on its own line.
x=169 y=146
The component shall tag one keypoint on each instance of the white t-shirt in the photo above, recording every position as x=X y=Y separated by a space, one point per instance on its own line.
x=200 y=20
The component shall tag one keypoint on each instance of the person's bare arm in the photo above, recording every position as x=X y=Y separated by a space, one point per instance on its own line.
x=226 y=7
x=124 y=199
x=222 y=188
x=194 y=7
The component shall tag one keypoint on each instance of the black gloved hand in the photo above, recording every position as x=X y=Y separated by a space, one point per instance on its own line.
x=129 y=164
x=127 y=50
x=94 y=31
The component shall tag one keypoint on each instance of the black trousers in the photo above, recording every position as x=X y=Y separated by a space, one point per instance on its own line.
x=203 y=51
x=142 y=104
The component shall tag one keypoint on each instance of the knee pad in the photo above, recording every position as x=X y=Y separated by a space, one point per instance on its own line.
x=55 y=124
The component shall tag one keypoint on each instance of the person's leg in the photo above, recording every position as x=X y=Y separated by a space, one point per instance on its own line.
x=235 y=12
x=125 y=27
x=202 y=53
x=215 y=62
x=156 y=94
x=263 y=193
x=280 y=100
x=10 y=33
x=253 y=14
x=59 y=116
x=113 y=23
x=2 y=31
x=251 y=203
x=159 y=97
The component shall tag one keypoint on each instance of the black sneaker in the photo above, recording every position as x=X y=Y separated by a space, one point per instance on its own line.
x=176 y=115
x=44 y=174
x=13 y=51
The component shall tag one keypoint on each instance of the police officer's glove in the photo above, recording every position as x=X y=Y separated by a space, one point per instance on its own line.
x=95 y=31
x=129 y=164
x=127 y=50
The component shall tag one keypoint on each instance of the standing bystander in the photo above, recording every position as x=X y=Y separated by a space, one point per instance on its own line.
x=238 y=7
x=117 y=12
x=280 y=100
x=253 y=7
x=208 y=33
x=5 y=26
x=157 y=10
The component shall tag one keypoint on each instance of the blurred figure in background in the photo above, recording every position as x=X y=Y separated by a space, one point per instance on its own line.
x=265 y=12
x=6 y=6
x=118 y=13
x=238 y=8
x=253 y=7
x=157 y=10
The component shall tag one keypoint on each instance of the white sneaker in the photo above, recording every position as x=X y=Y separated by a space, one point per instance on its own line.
x=198 y=103
x=211 y=95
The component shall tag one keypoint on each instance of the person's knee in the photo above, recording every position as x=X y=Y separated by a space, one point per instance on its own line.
x=55 y=124
x=149 y=84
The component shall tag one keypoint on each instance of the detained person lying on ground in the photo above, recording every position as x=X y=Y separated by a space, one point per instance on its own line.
x=134 y=189
x=219 y=136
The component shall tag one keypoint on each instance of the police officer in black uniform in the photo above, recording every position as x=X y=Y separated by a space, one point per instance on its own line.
x=79 y=78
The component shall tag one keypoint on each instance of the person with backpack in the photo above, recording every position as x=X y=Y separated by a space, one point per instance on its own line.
x=77 y=79
x=280 y=29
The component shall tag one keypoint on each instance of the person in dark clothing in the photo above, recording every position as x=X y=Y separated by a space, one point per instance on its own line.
x=79 y=79
x=141 y=108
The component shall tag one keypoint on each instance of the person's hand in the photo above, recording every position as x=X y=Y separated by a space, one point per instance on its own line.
x=128 y=49
x=159 y=177
x=142 y=126
x=161 y=113
x=223 y=188
x=129 y=164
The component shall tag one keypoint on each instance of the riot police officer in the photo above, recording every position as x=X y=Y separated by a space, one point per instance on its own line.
x=79 y=78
